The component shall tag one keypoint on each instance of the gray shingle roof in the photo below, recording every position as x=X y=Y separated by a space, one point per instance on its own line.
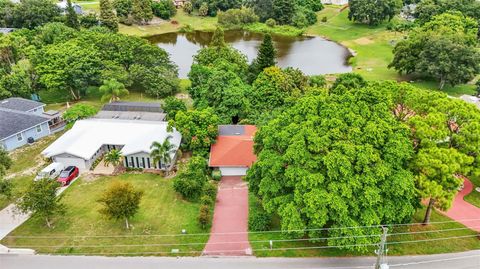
x=133 y=106
x=19 y=104
x=231 y=130
x=16 y=121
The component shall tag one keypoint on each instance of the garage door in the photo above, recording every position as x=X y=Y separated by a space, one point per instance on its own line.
x=67 y=161
x=233 y=171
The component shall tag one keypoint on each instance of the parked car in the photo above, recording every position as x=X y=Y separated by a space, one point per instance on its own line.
x=67 y=175
x=52 y=171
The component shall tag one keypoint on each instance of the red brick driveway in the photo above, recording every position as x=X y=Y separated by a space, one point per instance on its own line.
x=229 y=235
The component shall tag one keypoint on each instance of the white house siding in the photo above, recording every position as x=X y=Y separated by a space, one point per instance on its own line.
x=233 y=171
x=335 y=2
x=12 y=142
x=67 y=160
x=142 y=160
x=37 y=111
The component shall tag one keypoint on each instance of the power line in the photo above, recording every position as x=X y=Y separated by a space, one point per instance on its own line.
x=242 y=242
x=276 y=249
x=233 y=233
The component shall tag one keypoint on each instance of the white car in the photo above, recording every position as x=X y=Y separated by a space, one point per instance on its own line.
x=52 y=171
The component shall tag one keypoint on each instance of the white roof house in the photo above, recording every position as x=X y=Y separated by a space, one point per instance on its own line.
x=90 y=138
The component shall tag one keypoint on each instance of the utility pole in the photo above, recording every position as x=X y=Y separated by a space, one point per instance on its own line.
x=381 y=262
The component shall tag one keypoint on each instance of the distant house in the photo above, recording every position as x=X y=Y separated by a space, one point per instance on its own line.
x=130 y=127
x=22 y=121
x=63 y=7
x=335 y=2
x=233 y=153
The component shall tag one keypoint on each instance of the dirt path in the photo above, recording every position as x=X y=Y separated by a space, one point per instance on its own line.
x=229 y=235
x=463 y=211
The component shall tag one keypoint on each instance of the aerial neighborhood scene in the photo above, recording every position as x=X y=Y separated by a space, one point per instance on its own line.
x=240 y=134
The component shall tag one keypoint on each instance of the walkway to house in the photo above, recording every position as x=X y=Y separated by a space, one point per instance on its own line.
x=463 y=211
x=229 y=235
x=101 y=169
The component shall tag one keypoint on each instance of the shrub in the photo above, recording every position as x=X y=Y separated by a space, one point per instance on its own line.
x=478 y=87
x=216 y=175
x=79 y=111
x=210 y=190
x=123 y=7
x=324 y=19
x=206 y=200
x=6 y=187
x=187 y=28
x=318 y=81
x=190 y=182
x=204 y=216
x=188 y=8
x=259 y=220
x=236 y=18
x=203 y=10
x=271 y=22
x=172 y=105
x=89 y=20
x=164 y=9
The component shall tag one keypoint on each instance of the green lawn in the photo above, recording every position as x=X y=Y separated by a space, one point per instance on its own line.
x=27 y=161
x=373 y=46
x=474 y=196
x=181 y=19
x=89 y=6
x=162 y=212
x=443 y=246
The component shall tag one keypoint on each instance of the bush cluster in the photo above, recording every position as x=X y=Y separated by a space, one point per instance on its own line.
x=236 y=18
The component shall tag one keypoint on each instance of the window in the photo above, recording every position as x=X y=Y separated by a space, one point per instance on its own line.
x=126 y=161
x=132 y=164
x=39 y=128
x=148 y=162
x=19 y=137
x=138 y=165
x=143 y=162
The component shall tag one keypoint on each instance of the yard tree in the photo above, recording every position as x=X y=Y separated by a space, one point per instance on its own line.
x=265 y=58
x=172 y=105
x=142 y=11
x=6 y=188
x=263 y=8
x=188 y=8
x=373 y=12
x=161 y=152
x=446 y=142
x=156 y=81
x=22 y=80
x=113 y=157
x=198 y=128
x=32 y=13
x=68 y=68
x=336 y=160
x=203 y=10
x=108 y=18
x=71 y=16
x=348 y=81
x=192 y=178
x=5 y=162
x=41 y=199
x=219 y=86
x=283 y=11
x=120 y=201
x=123 y=8
x=427 y=9
x=6 y=12
x=478 y=87
x=78 y=112
x=444 y=49
x=112 y=90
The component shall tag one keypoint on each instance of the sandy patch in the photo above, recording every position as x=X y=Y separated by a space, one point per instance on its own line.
x=363 y=41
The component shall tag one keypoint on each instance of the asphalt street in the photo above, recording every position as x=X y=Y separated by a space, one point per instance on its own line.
x=464 y=260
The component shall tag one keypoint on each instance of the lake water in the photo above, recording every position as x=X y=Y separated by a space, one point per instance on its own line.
x=312 y=55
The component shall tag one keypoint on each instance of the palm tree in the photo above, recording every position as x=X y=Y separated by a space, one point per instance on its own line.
x=161 y=152
x=113 y=157
x=112 y=90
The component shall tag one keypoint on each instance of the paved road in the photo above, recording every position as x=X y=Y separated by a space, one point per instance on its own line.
x=465 y=260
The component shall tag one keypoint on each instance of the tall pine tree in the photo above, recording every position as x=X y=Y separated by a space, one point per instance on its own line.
x=72 y=19
x=142 y=11
x=265 y=58
x=107 y=16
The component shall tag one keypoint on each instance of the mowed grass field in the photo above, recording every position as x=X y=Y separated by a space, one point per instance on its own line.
x=373 y=46
x=285 y=248
x=156 y=229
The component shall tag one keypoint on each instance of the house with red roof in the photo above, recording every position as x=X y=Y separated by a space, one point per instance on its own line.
x=233 y=153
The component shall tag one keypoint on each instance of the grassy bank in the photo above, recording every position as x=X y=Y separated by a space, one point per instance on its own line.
x=306 y=248
x=474 y=197
x=162 y=211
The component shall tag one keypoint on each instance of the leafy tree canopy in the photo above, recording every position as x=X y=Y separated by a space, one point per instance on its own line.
x=78 y=112
x=338 y=160
x=373 y=12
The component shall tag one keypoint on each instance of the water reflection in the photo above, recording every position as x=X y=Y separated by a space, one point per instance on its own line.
x=312 y=55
